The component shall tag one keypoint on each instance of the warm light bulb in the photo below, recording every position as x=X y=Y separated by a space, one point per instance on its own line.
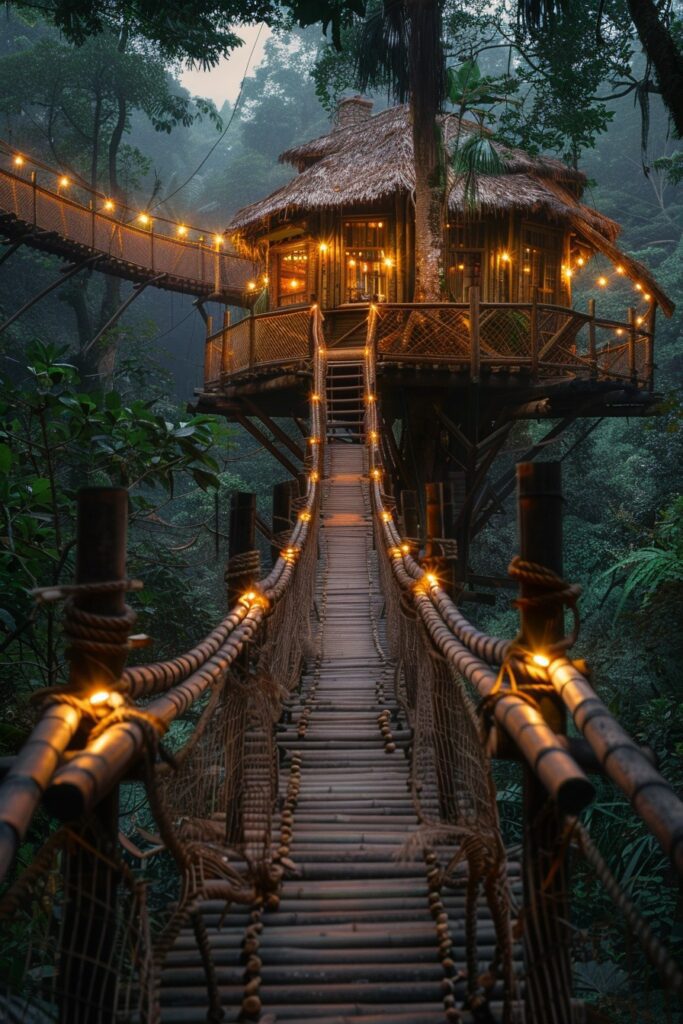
x=293 y=283
x=542 y=660
x=248 y=598
x=64 y=181
x=638 y=287
x=602 y=281
x=352 y=263
x=505 y=257
x=181 y=230
x=620 y=269
x=370 y=398
x=431 y=579
x=266 y=279
x=567 y=272
x=323 y=247
x=639 y=320
x=619 y=331
x=376 y=474
x=251 y=286
x=100 y=697
x=388 y=262
x=109 y=205
x=646 y=296
x=315 y=398
x=315 y=476
x=580 y=261
x=143 y=218
x=305 y=517
x=18 y=161
x=386 y=517
x=461 y=266
x=218 y=241
x=405 y=549
x=313 y=440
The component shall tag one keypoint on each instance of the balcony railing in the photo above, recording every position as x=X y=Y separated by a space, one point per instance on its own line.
x=543 y=341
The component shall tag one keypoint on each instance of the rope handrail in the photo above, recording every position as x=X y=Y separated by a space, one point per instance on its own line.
x=473 y=654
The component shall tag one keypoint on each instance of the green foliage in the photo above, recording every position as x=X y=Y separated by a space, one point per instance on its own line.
x=657 y=565
x=54 y=438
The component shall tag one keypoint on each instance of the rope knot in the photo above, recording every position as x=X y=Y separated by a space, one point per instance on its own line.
x=553 y=590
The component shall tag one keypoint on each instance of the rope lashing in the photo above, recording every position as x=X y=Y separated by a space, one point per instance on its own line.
x=88 y=632
x=554 y=590
x=248 y=563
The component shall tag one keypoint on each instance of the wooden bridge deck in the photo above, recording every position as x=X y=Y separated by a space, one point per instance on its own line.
x=353 y=937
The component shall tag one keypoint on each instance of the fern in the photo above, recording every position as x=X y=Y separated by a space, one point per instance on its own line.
x=475 y=157
x=659 y=564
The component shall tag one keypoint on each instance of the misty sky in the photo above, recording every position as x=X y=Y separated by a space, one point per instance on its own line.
x=223 y=82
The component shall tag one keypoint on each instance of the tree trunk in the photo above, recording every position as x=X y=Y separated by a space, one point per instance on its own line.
x=661 y=49
x=426 y=68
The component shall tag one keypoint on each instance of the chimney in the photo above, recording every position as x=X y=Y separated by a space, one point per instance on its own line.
x=352 y=110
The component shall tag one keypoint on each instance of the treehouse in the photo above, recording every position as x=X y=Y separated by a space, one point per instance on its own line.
x=504 y=344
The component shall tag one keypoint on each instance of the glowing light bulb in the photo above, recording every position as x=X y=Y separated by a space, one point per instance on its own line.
x=386 y=517
x=143 y=218
x=431 y=579
x=602 y=281
x=293 y=283
x=109 y=205
x=619 y=331
x=314 y=440
x=646 y=296
x=248 y=598
x=638 y=286
x=218 y=241
x=461 y=266
x=181 y=230
x=580 y=261
x=352 y=263
x=305 y=517
x=620 y=269
x=405 y=549
x=18 y=161
x=376 y=474
x=251 y=286
x=388 y=262
x=64 y=181
x=100 y=697
x=315 y=398
x=542 y=660
x=266 y=279
x=370 y=398
x=323 y=247
x=567 y=272
x=639 y=320
x=505 y=257
x=315 y=476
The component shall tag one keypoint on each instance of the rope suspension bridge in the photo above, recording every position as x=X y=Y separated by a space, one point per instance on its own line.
x=297 y=819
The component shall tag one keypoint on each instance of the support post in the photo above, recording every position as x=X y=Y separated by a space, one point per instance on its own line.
x=86 y=959
x=475 y=352
x=546 y=915
x=533 y=331
x=410 y=514
x=252 y=339
x=592 y=350
x=632 y=370
x=227 y=358
x=650 y=348
x=437 y=518
x=208 y=353
x=283 y=495
x=242 y=539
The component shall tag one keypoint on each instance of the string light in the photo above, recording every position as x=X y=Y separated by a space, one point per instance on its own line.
x=376 y=474
x=100 y=697
x=315 y=398
x=315 y=476
x=109 y=205
x=602 y=281
x=567 y=271
x=405 y=549
x=370 y=398
x=289 y=554
x=251 y=286
x=646 y=296
x=143 y=218
x=18 y=161
x=432 y=580
x=218 y=241
x=638 y=286
x=181 y=230
x=388 y=262
x=505 y=257
x=386 y=517
x=305 y=517
x=64 y=181
x=619 y=269
x=323 y=247
x=542 y=660
x=639 y=320
x=352 y=263
x=580 y=261
x=314 y=440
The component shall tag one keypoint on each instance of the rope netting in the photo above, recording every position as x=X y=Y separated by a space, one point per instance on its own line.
x=456 y=684
x=92 y=912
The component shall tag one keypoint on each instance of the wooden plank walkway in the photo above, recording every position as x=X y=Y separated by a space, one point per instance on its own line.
x=353 y=938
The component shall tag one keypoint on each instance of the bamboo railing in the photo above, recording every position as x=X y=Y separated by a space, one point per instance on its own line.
x=541 y=341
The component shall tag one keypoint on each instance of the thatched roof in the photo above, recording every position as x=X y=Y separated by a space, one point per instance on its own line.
x=371 y=158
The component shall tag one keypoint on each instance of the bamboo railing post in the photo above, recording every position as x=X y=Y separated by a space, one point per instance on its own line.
x=632 y=370
x=592 y=350
x=475 y=351
x=86 y=960
x=533 y=332
x=252 y=339
x=241 y=540
x=546 y=927
x=227 y=358
x=283 y=494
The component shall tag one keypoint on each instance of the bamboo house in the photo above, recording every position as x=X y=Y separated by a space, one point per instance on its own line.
x=342 y=230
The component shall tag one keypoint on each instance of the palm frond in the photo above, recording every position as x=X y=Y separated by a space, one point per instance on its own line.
x=477 y=156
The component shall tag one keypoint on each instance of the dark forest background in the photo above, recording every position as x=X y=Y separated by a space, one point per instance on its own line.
x=117 y=113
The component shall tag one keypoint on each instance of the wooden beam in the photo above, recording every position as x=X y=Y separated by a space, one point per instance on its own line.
x=274 y=428
x=267 y=443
